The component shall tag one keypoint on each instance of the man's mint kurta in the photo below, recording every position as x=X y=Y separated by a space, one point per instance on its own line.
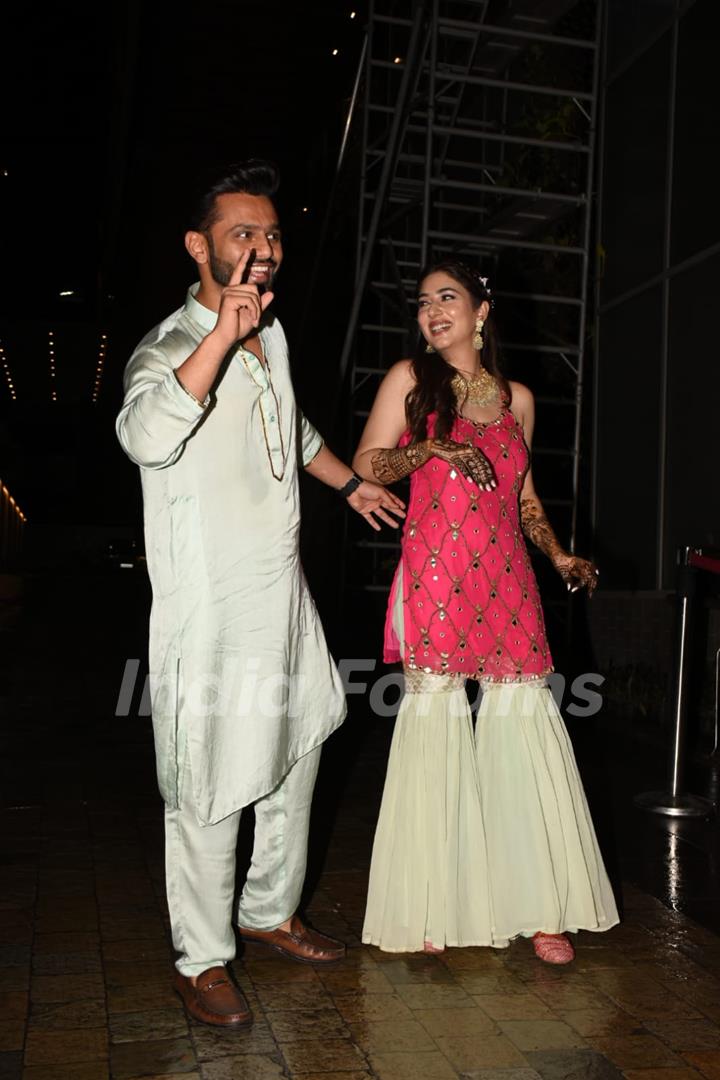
x=241 y=676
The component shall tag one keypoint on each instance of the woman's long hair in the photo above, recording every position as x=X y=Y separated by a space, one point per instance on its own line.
x=432 y=392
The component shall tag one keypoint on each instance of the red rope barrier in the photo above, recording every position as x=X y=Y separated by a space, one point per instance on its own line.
x=704 y=562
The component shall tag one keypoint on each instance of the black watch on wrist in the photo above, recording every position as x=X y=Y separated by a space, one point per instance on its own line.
x=352 y=485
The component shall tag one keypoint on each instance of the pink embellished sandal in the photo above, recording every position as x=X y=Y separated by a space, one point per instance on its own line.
x=431 y=949
x=553 y=948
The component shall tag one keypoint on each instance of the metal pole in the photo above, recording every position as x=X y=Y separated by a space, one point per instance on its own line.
x=665 y=319
x=717 y=703
x=364 y=142
x=351 y=108
x=687 y=583
x=674 y=801
x=602 y=105
x=379 y=205
x=322 y=239
x=585 y=271
x=429 y=137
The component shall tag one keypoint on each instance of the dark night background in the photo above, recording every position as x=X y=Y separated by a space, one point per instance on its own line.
x=115 y=115
x=119 y=113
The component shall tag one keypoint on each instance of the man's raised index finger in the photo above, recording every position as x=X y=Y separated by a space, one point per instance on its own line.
x=237 y=274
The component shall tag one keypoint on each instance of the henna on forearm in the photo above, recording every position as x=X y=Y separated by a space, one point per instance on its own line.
x=391 y=465
x=538 y=529
x=574 y=571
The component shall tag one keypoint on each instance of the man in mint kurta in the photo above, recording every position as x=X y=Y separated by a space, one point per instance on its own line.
x=231 y=611
x=244 y=688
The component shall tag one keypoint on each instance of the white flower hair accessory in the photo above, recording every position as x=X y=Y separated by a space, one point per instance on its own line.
x=484 y=281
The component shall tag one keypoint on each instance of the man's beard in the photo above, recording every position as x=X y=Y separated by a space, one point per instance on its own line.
x=222 y=270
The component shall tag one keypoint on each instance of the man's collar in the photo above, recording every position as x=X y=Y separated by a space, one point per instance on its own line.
x=199 y=314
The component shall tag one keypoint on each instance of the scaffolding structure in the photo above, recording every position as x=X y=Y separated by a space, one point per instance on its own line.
x=478 y=132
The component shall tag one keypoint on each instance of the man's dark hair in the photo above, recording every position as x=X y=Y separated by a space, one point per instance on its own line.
x=252 y=177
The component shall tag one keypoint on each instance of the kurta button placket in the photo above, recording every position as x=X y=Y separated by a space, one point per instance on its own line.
x=261 y=375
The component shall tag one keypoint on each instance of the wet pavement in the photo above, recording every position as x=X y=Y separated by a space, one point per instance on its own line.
x=85 y=957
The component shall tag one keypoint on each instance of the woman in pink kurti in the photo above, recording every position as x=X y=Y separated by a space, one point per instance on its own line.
x=483 y=836
x=470 y=600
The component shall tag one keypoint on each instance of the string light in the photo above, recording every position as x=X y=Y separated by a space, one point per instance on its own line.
x=51 y=351
x=397 y=60
x=335 y=52
x=6 y=494
x=99 y=367
x=353 y=14
x=8 y=376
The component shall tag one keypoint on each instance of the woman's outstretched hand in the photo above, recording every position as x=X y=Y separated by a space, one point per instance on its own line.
x=468 y=460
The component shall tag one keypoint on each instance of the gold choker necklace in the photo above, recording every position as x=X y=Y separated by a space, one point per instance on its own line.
x=482 y=389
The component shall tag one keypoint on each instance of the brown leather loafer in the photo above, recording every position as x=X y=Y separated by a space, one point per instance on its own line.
x=214 y=999
x=299 y=943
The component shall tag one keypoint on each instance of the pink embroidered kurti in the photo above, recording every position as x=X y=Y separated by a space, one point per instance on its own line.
x=470 y=601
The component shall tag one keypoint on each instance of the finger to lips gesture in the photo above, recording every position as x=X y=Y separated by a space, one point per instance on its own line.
x=241 y=305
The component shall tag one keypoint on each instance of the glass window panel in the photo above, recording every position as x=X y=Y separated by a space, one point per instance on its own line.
x=693 y=504
x=632 y=24
x=635 y=167
x=628 y=402
x=696 y=208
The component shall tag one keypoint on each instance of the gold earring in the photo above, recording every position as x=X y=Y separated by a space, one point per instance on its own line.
x=429 y=348
x=478 y=341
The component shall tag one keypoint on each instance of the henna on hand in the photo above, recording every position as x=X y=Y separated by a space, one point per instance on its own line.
x=481 y=471
x=391 y=465
x=574 y=571
x=577 y=572
x=468 y=460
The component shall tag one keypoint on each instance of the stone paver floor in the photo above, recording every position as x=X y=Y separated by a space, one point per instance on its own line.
x=85 y=982
x=85 y=958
